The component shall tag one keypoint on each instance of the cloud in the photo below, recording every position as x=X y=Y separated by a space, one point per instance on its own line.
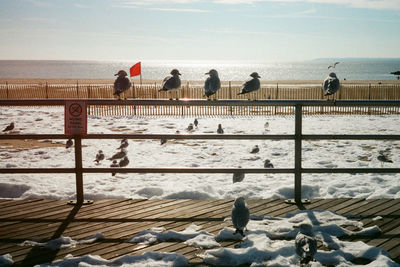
x=180 y=10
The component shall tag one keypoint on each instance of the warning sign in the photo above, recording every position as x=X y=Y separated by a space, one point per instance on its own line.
x=75 y=115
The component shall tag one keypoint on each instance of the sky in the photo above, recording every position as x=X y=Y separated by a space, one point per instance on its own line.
x=249 y=30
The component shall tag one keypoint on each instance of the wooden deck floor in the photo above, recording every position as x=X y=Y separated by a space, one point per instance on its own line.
x=118 y=220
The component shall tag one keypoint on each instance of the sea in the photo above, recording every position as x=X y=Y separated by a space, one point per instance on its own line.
x=194 y=70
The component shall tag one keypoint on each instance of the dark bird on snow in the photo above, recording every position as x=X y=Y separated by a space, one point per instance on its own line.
x=119 y=155
x=99 y=157
x=196 y=122
x=334 y=65
x=69 y=143
x=238 y=176
x=212 y=83
x=220 y=130
x=268 y=164
x=190 y=127
x=124 y=162
x=384 y=157
x=163 y=141
x=331 y=84
x=124 y=144
x=251 y=85
x=255 y=149
x=114 y=164
x=122 y=83
x=10 y=127
x=240 y=215
x=305 y=243
x=172 y=82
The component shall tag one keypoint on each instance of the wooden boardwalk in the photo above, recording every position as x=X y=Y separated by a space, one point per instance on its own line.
x=120 y=219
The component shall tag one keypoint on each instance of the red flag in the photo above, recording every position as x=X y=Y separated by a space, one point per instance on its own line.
x=135 y=70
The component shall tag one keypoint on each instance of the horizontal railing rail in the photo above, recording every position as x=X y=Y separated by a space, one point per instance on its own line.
x=298 y=137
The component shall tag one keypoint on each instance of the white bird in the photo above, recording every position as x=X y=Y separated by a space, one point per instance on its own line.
x=172 y=82
x=331 y=84
x=220 y=130
x=99 y=157
x=212 y=83
x=255 y=149
x=119 y=155
x=238 y=176
x=334 y=65
x=240 y=215
x=124 y=162
x=10 y=127
x=69 y=143
x=251 y=85
x=305 y=243
x=268 y=164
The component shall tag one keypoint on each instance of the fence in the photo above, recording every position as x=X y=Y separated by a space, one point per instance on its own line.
x=298 y=137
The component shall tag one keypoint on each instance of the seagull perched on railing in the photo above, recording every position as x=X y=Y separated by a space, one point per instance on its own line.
x=240 y=215
x=122 y=83
x=212 y=83
x=251 y=85
x=305 y=243
x=9 y=128
x=172 y=82
x=331 y=84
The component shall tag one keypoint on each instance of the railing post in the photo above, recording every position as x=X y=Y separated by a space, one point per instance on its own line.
x=297 y=154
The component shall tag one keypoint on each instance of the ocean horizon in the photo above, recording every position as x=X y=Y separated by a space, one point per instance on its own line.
x=194 y=70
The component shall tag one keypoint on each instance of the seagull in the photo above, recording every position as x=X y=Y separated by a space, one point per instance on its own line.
x=251 y=85
x=334 y=65
x=255 y=149
x=119 y=155
x=268 y=164
x=240 y=215
x=124 y=144
x=10 y=127
x=163 y=141
x=220 y=130
x=99 y=157
x=69 y=143
x=190 y=127
x=238 y=176
x=305 y=243
x=212 y=83
x=331 y=84
x=196 y=122
x=172 y=82
x=266 y=125
x=384 y=157
x=114 y=164
x=124 y=162
x=122 y=83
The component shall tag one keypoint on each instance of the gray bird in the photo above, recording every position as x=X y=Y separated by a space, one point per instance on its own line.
x=10 y=127
x=196 y=122
x=119 y=155
x=220 y=130
x=238 y=176
x=172 y=82
x=69 y=143
x=331 y=84
x=124 y=144
x=212 y=83
x=334 y=65
x=251 y=85
x=268 y=164
x=99 y=157
x=255 y=149
x=124 y=162
x=114 y=164
x=190 y=127
x=163 y=141
x=240 y=215
x=305 y=243
x=122 y=83
x=384 y=157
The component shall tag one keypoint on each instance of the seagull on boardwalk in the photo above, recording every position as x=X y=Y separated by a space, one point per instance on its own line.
x=124 y=144
x=69 y=143
x=172 y=82
x=220 y=130
x=305 y=243
x=9 y=128
x=114 y=164
x=212 y=83
x=119 y=155
x=238 y=176
x=268 y=164
x=99 y=157
x=124 y=162
x=251 y=85
x=196 y=122
x=255 y=149
x=240 y=215
x=384 y=157
x=334 y=65
x=331 y=84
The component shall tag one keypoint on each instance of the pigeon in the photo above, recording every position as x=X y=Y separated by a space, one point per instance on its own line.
x=238 y=176
x=240 y=215
x=172 y=82
x=196 y=122
x=268 y=164
x=190 y=127
x=255 y=149
x=69 y=143
x=119 y=155
x=124 y=144
x=384 y=157
x=99 y=157
x=212 y=83
x=331 y=84
x=163 y=141
x=124 y=162
x=305 y=243
x=251 y=85
x=114 y=164
x=10 y=127
x=220 y=130
x=334 y=65
x=122 y=83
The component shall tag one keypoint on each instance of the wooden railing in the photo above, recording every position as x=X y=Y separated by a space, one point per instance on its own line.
x=298 y=137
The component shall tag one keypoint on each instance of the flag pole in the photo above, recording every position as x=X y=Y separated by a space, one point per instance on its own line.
x=140 y=78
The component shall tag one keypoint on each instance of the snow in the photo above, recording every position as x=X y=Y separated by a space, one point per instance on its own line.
x=6 y=260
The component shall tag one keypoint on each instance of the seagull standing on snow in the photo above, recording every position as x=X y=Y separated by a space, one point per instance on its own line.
x=99 y=157
x=305 y=243
x=255 y=149
x=196 y=122
x=114 y=164
x=240 y=215
x=124 y=162
x=331 y=84
x=268 y=164
x=190 y=127
x=384 y=157
x=122 y=83
x=251 y=85
x=220 y=130
x=69 y=143
x=238 y=176
x=119 y=155
x=124 y=144
x=212 y=83
x=10 y=127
